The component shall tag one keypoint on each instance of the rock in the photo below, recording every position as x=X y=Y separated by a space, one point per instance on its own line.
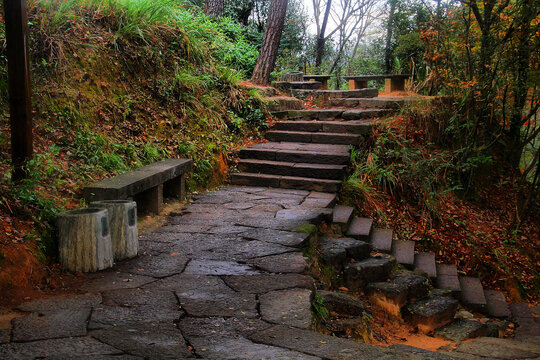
x=293 y=262
x=496 y=328
x=334 y=251
x=343 y=304
x=146 y=340
x=463 y=314
x=492 y=348
x=417 y=285
x=373 y=269
x=68 y=348
x=110 y=280
x=287 y=307
x=51 y=324
x=460 y=330
x=356 y=325
x=389 y=296
x=316 y=344
x=109 y=316
x=431 y=313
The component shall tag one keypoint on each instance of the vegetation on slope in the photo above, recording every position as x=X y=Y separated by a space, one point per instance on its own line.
x=118 y=84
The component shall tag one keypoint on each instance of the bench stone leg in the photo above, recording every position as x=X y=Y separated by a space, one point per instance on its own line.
x=360 y=84
x=175 y=188
x=396 y=84
x=150 y=200
x=351 y=85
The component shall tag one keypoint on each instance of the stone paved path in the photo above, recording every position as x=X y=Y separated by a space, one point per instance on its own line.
x=223 y=280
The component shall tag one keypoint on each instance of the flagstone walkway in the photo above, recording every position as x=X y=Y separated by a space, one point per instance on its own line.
x=224 y=279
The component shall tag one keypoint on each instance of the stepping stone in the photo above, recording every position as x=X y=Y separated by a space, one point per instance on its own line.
x=492 y=348
x=342 y=216
x=313 y=137
x=461 y=329
x=336 y=251
x=403 y=251
x=359 y=274
x=381 y=240
x=357 y=127
x=146 y=340
x=215 y=267
x=364 y=114
x=496 y=304
x=286 y=238
x=447 y=279
x=287 y=307
x=52 y=324
x=320 y=345
x=340 y=303
x=431 y=313
x=260 y=284
x=529 y=326
x=426 y=263
x=293 y=262
x=314 y=216
x=472 y=293
x=281 y=103
x=302 y=115
x=319 y=200
x=360 y=228
x=66 y=348
x=417 y=285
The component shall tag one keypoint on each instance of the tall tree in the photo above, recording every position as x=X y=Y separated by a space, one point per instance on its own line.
x=214 y=7
x=389 y=36
x=270 y=44
x=321 y=28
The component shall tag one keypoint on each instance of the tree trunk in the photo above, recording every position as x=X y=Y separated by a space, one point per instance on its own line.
x=213 y=7
x=270 y=45
x=389 y=35
x=321 y=40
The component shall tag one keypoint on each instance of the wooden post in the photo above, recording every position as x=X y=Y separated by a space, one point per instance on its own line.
x=20 y=106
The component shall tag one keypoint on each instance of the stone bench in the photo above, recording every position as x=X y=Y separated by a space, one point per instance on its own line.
x=391 y=82
x=323 y=79
x=147 y=185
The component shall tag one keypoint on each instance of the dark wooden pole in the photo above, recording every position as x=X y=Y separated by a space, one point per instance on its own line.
x=20 y=106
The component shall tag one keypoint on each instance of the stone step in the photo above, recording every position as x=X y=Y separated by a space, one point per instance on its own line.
x=330 y=114
x=381 y=240
x=374 y=103
x=374 y=269
x=403 y=251
x=360 y=228
x=286 y=182
x=344 y=127
x=336 y=251
x=283 y=103
x=496 y=304
x=431 y=313
x=313 y=137
x=472 y=293
x=325 y=95
x=426 y=263
x=317 y=171
x=305 y=85
x=447 y=279
x=299 y=153
x=342 y=216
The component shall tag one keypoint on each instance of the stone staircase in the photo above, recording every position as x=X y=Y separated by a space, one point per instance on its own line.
x=309 y=149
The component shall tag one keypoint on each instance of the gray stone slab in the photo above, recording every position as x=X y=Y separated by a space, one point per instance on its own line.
x=341 y=303
x=461 y=329
x=72 y=302
x=159 y=266
x=114 y=280
x=287 y=238
x=316 y=344
x=219 y=338
x=447 y=278
x=292 y=262
x=426 y=263
x=276 y=224
x=287 y=307
x=184 y=228
x=260 y=284
x=50 y=325
x=403 y=251
x=314 y=216
x=69 y=348
x=413 y=353
x=342 y=216
x=360 y=228
x=493 y=348
x=104 y=316
x=472 y=293
x=213 y=267
x=244 y=250
x=496 y=304
x=381 y=240
x=162 y=340
x=335 y=251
